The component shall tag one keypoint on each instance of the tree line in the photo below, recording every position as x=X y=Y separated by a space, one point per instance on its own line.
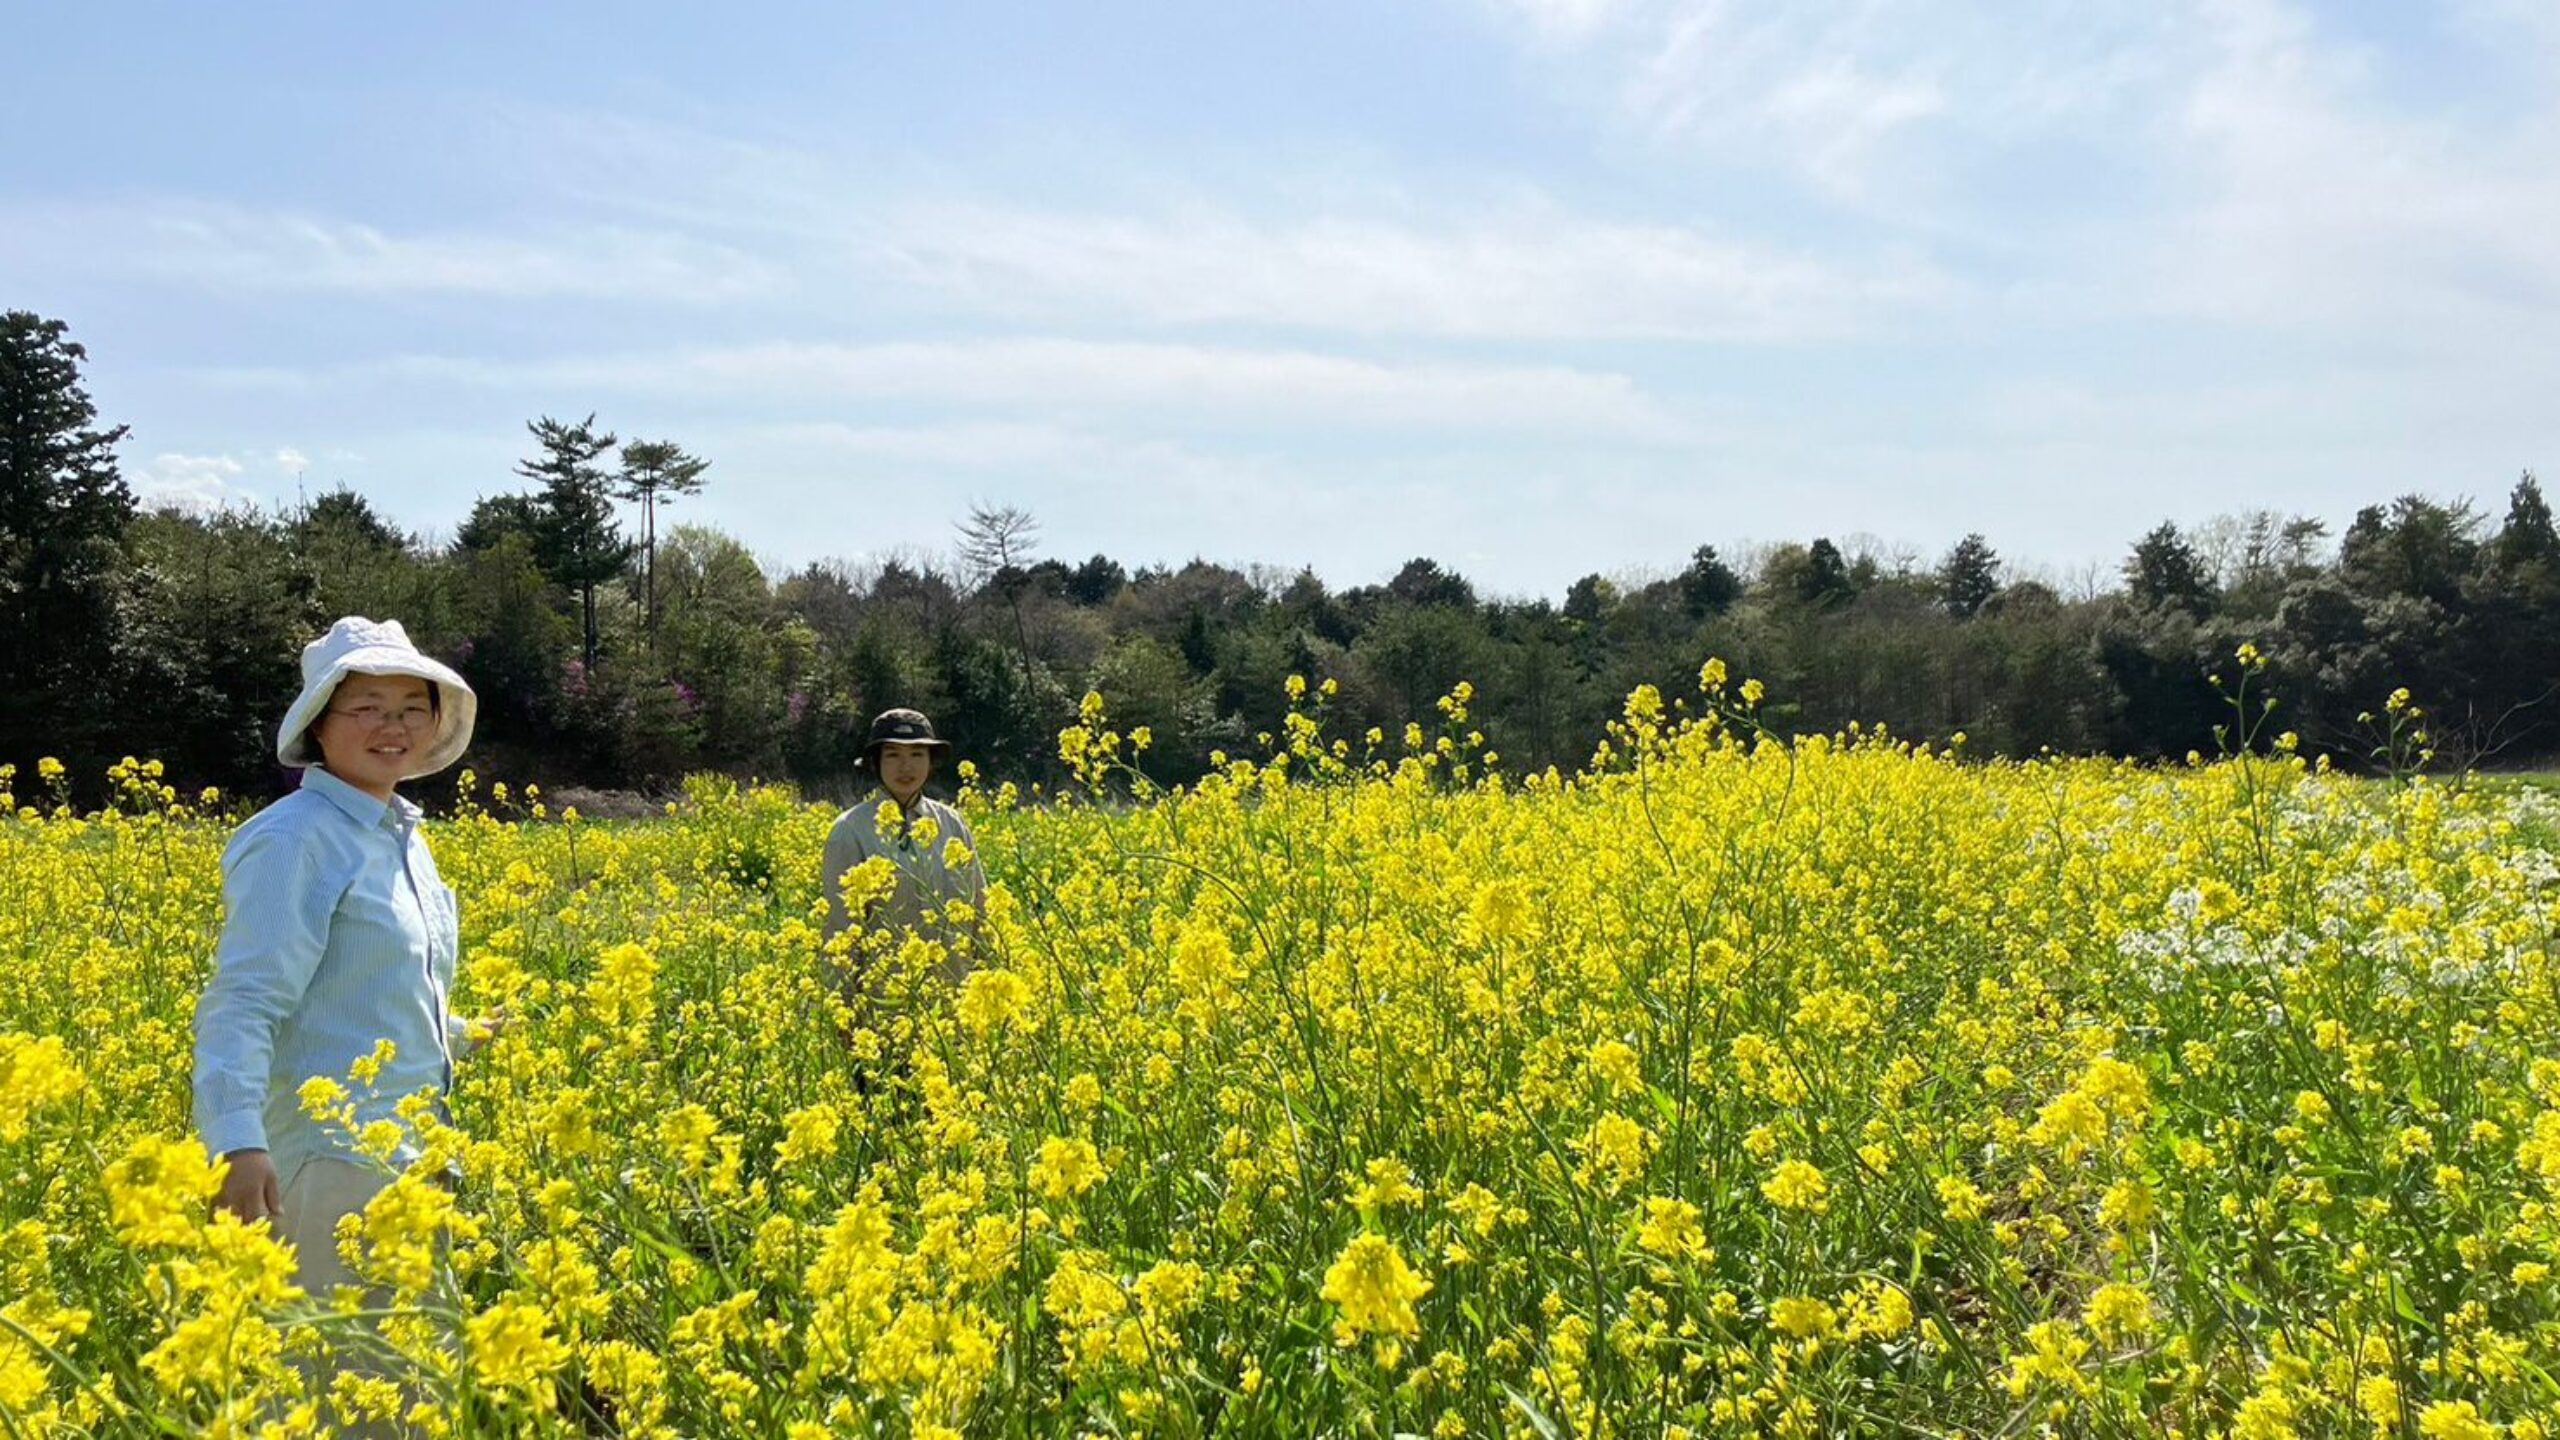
x=606 y=657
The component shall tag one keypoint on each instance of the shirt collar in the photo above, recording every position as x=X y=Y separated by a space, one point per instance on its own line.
x=357 y=805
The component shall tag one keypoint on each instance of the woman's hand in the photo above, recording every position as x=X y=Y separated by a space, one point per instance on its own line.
x=249 y=1188
x=483 y=1029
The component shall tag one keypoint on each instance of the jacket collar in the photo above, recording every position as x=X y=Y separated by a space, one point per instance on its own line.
x=357 y=805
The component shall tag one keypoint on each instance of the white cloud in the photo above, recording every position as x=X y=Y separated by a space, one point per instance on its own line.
x=2266 y=164
x=1076 y=470
x=1031 y=378
x=2321 y=208
x=1527 y=271
x=193 y=483
x=972 y=445
x=1566 y=19
x=291 y=461
x=1856 y=99
x=223 y=246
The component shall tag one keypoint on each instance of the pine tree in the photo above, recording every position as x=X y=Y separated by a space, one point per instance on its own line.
x=2528 y=538
x=1969 y=577
x=654 y=473
x=2164 y=571
x=64 y=509
x=1708 y=586
x=1825 y=581
x=579 y=545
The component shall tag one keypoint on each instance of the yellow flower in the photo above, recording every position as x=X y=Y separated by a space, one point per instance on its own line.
x=1614 y=1063
x=809 y=1134
x=1500 y=911
x=1879 y=1311
x=2379 y=1398
x=991 y=999
x=1797 y=1185
x=2266 y=1415
x=512 y=1349
x=35 y=1073
x=23 y=1376
x=687 y=1132
x=1084 y=1091
x=1169 y=1289
x=1066 y=1168
x=2119 y=1312
x=1803 y=1317
x=1619 y=1149
x=2455 y=1420
x=1671 y=1228
x=1389 y=1183
x=158 y=1192
x=1375 y=1290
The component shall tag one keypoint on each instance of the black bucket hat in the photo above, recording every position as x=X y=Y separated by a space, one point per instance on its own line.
x=901 y=727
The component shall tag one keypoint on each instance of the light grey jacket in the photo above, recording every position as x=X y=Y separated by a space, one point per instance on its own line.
x=927 y=880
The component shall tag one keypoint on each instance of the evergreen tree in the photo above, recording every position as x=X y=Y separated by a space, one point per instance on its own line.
x=220 y=606
x=1095 y=581
x=342 y=514
x=2415 y=547
x=360 y=564
x=2164 y=572
x=1970 y=577
x=64 y=512
x=1423 y=582
x=1708 y=586
x=1824 y=580
x=1589 y=598
x=494 y=518
x=2518 y=611
x=654 y=473
x=579 y=544
x=2528 y=539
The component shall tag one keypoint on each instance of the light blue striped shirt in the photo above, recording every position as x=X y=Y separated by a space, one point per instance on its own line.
x=337 y=933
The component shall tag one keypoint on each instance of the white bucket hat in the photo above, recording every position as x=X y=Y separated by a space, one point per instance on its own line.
x=357 y=646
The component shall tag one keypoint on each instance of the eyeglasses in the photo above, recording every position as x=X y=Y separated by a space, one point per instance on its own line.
x=374 y=717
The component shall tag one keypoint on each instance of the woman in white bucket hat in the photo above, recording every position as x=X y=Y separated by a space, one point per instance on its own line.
x=337 y=935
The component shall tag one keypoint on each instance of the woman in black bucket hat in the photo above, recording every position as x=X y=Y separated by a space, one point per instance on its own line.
x=933 y=886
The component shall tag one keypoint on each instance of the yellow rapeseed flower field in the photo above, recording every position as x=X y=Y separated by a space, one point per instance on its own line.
x=1730 y=1088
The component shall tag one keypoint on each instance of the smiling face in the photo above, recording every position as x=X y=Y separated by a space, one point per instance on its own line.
x=904 y=768
x=373 y=730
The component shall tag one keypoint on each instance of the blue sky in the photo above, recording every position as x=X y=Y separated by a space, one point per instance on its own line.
x=1536 y=287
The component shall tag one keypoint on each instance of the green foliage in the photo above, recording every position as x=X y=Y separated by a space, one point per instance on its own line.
x=220 y=606
x=1709 y=586
x=63 y=513
x=2164 y=572
x=1970 y=577
x=576 y=537
x=655 y=473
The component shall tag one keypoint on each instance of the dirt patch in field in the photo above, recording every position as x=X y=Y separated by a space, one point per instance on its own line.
x=604 y=804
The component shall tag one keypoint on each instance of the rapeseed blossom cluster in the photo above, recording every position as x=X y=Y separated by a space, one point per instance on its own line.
x=1730 y=1087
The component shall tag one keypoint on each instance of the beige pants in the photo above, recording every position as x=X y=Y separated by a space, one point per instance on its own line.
x=321 y=1192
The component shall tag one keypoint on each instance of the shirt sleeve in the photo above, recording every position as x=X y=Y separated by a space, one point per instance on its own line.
x=843 y=853
x=444 y=926
x=276 y=904
x=973 y=876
